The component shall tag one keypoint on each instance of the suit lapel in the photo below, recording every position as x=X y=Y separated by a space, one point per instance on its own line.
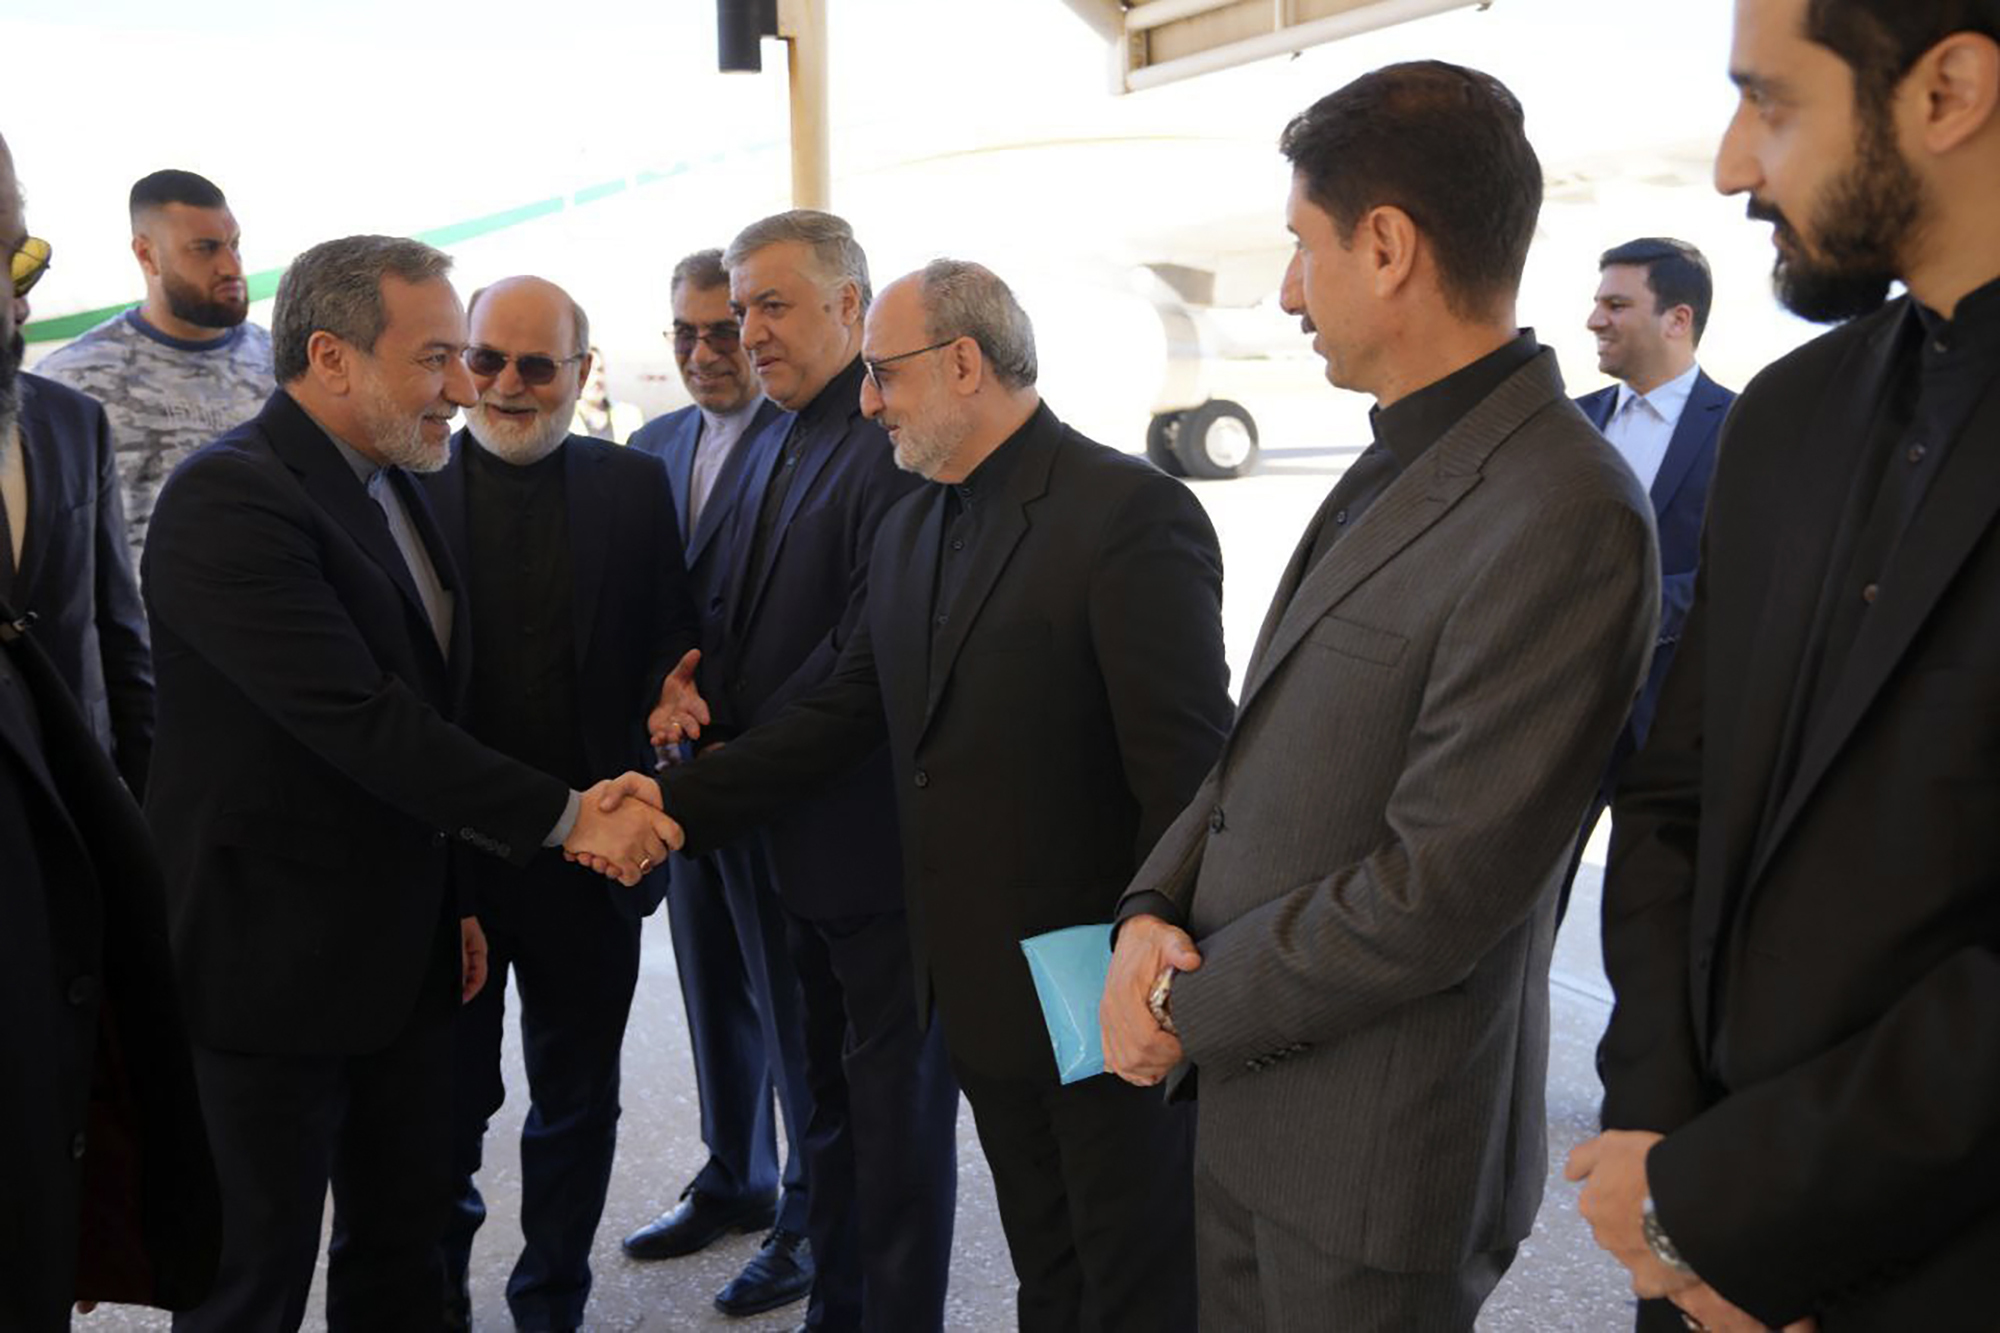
x=679 y=457
x=1009 y=523
x=307 y=450
x=1597 y=406
x=723 y=498
x=591 y=512
x=454 y=665
x=1700 y=419
x=902 y=625
x=41 y=459
x=1956 y=513
x=815 y=452
x=1412 y=503
x=754 y=480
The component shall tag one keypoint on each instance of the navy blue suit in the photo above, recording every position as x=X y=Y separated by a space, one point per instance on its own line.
x=76 y=572
x=1680 y=497
x=571 y=936
x=881 y=1145
x=308 y=784
x=737 y=983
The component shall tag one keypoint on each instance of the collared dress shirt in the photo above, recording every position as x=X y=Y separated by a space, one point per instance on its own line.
x=1642 y=424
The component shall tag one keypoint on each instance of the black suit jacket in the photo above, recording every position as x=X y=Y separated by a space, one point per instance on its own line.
x=1808 y=970
x=776 y=634
x=308 y=780
x=1041 y=744
x=633 y=615
x=106 y=1191
x=76 y=572
x=1680 y=498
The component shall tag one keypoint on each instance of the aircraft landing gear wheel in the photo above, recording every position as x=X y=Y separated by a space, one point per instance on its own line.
x=1216 y=440
x=1160 y=434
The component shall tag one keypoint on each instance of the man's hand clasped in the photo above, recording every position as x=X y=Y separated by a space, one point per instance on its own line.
x=1136 y=1047
x=620 y=831
x=1612 y=1167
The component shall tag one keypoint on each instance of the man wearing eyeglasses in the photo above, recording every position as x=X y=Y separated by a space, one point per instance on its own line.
x=1042 y=649
x=738 y=986
x=579 y=608
x=63 y=555
x=186 y=364
x=881 y=1145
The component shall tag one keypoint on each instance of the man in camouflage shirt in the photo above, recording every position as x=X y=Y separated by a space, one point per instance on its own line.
x=185 y=366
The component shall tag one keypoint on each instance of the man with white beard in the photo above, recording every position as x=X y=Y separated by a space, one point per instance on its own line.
x=579 y=607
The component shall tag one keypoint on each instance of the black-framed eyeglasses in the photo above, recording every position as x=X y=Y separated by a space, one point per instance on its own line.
x=722 y=338
x=535 y=369
x=31 y=261
x=873 y=369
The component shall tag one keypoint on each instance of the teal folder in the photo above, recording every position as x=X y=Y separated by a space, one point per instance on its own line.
x=1069 y=967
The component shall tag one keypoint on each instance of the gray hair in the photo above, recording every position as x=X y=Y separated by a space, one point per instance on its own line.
x=703 y=270
x=336 y=287
x=966 y=300
x=578 y=320
x=835 y=252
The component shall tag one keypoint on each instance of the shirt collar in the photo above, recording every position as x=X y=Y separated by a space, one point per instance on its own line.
x=838 y=400
x=991 y=475
x=1669 y=399
x=733 y=423
x=1410 y=426
x=1974 y=326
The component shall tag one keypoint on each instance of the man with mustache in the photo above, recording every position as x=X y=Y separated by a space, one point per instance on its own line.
x=738 y=987
x=579 y=607
x=311 y=780
x=186 y=364
x=1801 y=1111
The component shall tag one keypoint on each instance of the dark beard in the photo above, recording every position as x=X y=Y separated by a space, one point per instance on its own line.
x=1863 y=223
x=189 y=305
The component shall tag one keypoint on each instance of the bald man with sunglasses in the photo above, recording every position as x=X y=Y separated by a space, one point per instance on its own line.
x=579 y=608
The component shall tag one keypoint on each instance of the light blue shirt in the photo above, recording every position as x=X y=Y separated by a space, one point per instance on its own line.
x=1642 y=424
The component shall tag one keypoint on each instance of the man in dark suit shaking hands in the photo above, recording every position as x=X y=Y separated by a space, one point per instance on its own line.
x=1801 y=1100
x=1662 y=416
x=1042 y=576
x=313 y=650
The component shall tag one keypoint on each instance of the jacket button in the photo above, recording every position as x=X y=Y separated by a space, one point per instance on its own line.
x=438 y=839
x=923 y=779
x=1215 y=820
x=81 y=989
x=76 y=1147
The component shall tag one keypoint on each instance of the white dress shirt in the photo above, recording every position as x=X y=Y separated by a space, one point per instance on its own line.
x=1642 y=425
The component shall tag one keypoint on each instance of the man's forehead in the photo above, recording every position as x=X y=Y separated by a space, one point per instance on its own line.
x=196 y=222
x=701 y=305
x=1621 y=280
x=525 y=315
x=895 y=317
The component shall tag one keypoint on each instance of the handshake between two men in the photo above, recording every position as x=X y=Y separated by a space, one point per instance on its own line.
x=621 y=830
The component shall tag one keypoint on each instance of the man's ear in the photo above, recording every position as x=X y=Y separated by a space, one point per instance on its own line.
x=1680 y=322
x=1391 y=238
x=143 y=251
x=1958 y=81
x=330 y=362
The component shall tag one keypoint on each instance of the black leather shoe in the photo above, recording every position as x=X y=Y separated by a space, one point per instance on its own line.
x=695 y=1223
x=779 y=1273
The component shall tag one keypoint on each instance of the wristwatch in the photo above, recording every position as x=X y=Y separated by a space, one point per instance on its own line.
x=1160 y=1001
x=1657 y=1240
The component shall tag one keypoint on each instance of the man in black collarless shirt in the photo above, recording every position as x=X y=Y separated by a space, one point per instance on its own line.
x=1801 y=1118
x=881 y=1144
x=1042 y=648
x=1344 y=939
x=579 y=607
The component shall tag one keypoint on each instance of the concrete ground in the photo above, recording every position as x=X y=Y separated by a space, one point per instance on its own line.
x=1560 y=1281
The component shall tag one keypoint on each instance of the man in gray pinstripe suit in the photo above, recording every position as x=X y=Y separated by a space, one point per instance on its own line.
x=1346 y=935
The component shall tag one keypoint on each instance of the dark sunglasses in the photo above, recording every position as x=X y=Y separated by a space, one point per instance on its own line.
x=534 y=369
x=31 y=261
x=722 y=339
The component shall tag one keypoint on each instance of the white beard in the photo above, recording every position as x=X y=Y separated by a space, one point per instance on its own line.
x=519 y=443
